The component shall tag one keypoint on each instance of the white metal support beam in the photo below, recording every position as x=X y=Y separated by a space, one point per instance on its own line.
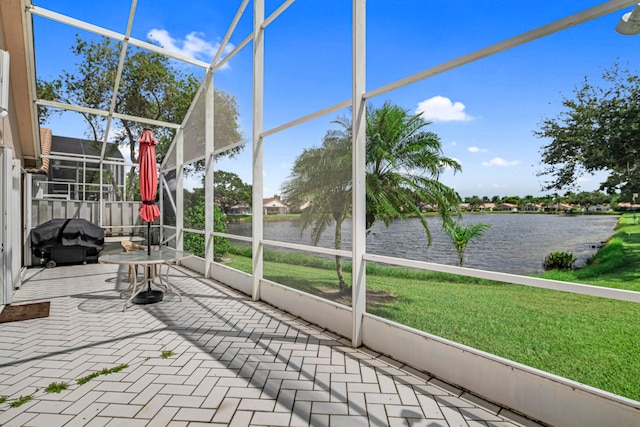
x=359 y=144
x=309 y=117
x=230 y=31
x=179 y=201
x=257 y=153
x=39 y=11
x=543 y=31
x=231 y=54
x=116 y=85
x=218 y=64
x=284 y=6
x=104 y=113
x=112 y=106
x=209 y=144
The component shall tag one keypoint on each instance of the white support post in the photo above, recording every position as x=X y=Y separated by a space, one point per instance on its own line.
x=27 y=208
x=100 y=199
x=16 y=235
x=179 y=198
x=208 y=180
x=359 y=142
x=7 y=221
x=257 y=155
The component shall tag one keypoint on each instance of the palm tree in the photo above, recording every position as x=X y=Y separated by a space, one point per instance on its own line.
x=462 y=235
x=321 y=179
x=404 y=163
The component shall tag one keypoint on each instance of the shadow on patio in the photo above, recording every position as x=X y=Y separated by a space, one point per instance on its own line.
x=216 y=357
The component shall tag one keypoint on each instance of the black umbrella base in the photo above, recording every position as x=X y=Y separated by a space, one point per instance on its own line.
x=148 y=297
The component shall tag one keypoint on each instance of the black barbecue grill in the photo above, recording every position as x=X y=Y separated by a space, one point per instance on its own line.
x=66 y=241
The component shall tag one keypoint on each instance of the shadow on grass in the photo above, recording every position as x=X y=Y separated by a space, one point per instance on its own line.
x=331 y=292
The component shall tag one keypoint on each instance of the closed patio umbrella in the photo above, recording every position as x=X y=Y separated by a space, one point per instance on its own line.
x=149 y=211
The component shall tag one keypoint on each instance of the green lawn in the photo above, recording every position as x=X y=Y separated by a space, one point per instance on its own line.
x=590 y=340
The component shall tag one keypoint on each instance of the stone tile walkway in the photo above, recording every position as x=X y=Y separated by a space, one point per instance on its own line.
x=227 y=361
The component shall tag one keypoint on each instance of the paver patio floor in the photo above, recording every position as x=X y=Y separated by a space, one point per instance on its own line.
x=231 y=361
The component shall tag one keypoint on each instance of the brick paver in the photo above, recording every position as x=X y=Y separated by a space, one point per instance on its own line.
x=216 y=358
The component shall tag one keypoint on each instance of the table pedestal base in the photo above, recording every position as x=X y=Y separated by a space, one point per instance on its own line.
x=152 y=276
x=148 y=297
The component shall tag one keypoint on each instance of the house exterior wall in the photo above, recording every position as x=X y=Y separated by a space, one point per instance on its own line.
x=20 y=126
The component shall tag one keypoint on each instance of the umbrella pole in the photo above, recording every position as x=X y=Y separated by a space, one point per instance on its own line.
x=149 y=254
x=149 y=296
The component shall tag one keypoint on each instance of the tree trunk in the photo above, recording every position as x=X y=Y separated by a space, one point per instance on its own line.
x=131 y=184
x=338 y=245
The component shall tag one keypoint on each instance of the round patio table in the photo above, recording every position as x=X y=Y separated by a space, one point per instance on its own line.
x=152 y=263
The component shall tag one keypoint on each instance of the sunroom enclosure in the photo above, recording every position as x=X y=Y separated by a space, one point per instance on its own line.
x=535 y=393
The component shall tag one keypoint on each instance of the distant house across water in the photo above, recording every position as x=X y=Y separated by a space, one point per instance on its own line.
x=274 y=206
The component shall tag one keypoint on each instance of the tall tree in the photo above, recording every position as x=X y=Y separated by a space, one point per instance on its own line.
x=599 y=130
x=514 y=200
x=151 y=87
x=229 y=190
x=321 y=179
x=587 y=199
x=474 y=202
x=403 y=165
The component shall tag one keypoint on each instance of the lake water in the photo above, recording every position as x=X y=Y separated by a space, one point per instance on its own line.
x=515 y=243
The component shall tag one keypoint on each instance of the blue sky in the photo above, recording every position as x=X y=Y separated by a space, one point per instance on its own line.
x=484 y=112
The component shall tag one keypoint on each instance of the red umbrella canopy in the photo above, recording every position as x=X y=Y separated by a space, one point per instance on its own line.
x=148 y=176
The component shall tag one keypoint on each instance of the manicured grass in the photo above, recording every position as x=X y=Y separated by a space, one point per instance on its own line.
x=587 y=339
x=590 y=340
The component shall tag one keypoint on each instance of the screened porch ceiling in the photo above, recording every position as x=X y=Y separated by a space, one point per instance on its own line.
x=232 y=27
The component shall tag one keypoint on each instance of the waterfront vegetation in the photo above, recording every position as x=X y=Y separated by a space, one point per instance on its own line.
x=587 y=339
x=616 y=265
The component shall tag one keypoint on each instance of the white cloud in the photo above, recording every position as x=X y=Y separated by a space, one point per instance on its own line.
x=194 y=45
x=498 y=161
x=441 y=109
x=477 y=150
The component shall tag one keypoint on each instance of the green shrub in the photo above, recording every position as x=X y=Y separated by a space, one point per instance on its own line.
x=194 y=242
x=559 y=261
x=220 y=244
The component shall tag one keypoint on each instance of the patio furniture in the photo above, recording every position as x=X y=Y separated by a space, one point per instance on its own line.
x=66 y=240
x=130 y=246
x=152 y=262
